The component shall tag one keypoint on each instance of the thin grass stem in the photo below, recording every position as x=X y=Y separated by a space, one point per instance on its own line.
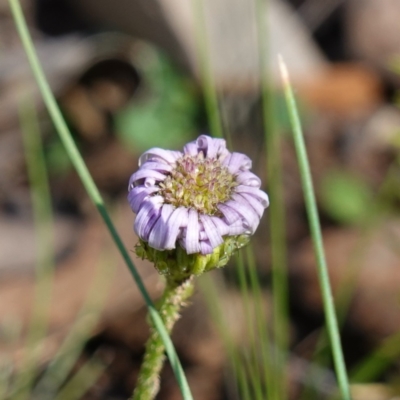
x=252 y=360
x=316 y=234
x=83 y=379
x=6 y=370
x=375 y=363
x=266 y=354
x=277 y=211
x=212 y=296
x=206 y=73
x=92 y=189
x=65 y=359
x=347 y=287
x=43 y=220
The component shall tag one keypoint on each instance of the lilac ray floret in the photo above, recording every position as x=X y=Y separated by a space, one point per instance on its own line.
x=247 y=213
x=191 y=149
x=249 y=179
x=149 y=226
x=252 y=201
x=221 y=226
x=205 y=247
x=159 y=232
x=157 y=166
x=191 y=240
x=237 y=162
x=138 y=194
x=177 y=221
x=140 y=176
x=259 y=194
x=213 y=148
x=150 y=208
x=212 y=234
x=207 y=145
x=230 y=215
x=203 y=234
x=238 y=228
x=222 y=151
x=157 y=154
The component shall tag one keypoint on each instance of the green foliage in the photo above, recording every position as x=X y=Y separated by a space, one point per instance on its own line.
x=56 y=157
x=166 y=115
x=345 y=197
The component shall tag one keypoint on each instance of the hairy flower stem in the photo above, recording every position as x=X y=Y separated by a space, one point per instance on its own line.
x=169 y=307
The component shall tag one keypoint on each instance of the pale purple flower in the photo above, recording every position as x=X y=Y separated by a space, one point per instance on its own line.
x=195 y=198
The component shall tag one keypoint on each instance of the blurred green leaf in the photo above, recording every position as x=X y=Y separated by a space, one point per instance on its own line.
x=345 y=197
x=57 y=159
x=167 y=117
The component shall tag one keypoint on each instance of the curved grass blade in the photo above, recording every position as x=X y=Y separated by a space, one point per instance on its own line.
x=211 y=289
x=206 y=73
x=70 y=350
x=277 y=208
x=258 y=343
x=43 y=220
x=376 y=363
x=83 y=380
x=315 y=228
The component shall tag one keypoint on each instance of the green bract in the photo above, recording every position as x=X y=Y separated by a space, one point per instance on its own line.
x=177 y=266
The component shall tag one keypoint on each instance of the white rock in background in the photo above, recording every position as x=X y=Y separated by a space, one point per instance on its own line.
x=373 y=30
x=231 y=33
x=232 y=40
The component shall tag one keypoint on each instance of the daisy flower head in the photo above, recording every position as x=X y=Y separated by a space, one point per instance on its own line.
x=196 y=207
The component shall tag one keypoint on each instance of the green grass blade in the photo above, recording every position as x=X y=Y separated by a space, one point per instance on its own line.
x=6 y=370
x=206 y=74
x=265 y=345
x=91 y=187
x=70 y=350
x=276 y=212
x=42 y=214
x=83 y=380
x=378 y=361
x=252 y=359
x=211 y=290
x=316 y=234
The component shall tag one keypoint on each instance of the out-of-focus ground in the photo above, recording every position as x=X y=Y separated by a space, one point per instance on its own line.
x=121 y=96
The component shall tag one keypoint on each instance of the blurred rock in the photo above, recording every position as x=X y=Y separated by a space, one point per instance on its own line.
x=373 y=391
x=62 y=59
x=382 y=128
x=372 y=144
x=366 y=261
x=373 y=31
x=18 y=243
x=234 y=53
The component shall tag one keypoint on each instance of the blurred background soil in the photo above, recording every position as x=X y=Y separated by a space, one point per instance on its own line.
x=126 y=75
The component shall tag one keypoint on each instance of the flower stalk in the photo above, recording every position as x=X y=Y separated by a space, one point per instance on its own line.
x=172 y=302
